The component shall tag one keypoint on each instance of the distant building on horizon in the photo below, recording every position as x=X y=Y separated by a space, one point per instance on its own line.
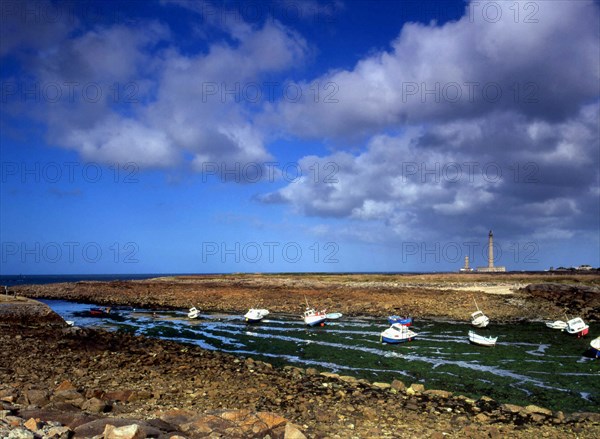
x=490 y=267
x=466 y=268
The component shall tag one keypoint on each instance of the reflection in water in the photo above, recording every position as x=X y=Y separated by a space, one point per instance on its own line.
x=521 y=369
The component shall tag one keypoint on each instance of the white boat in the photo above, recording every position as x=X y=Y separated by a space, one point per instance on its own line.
x=398 y=333
x=557 y=324
x=481 y=340
x=334 y=315
x=577 y=327
x=255 y=315
x=478 y=318
x=70 y=322
x=193 y=313
x=313 y=318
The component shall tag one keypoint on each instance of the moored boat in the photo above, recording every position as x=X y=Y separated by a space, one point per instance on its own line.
x=333 y=315
x=481 y=340
x=397 y=333
x=193 y=313
x=313 y=318
x=595 y=347
x=478 y=318
x=557 y=324
x=405 y=321
x=577 y=327
x=99 y=312
x=255 y=315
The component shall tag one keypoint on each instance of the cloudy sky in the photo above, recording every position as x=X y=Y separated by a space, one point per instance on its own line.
x=200 y=136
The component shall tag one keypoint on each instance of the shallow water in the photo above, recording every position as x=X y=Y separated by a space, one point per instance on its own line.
x=530 y=364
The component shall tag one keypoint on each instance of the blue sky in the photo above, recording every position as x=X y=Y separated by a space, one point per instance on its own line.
x=286 y=136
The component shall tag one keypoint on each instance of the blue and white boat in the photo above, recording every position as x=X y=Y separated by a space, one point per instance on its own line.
x=595 y=347
x=404 y=321
x=397 y=333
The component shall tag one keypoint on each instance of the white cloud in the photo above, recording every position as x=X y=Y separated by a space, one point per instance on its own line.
x=462 y=69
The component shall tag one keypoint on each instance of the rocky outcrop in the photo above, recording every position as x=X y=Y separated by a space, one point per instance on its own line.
x=575 y=300
x=26 y=312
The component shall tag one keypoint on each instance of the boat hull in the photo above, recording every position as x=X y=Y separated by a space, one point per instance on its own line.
x=396 y=340
x=577 y=327
x=482 y=341
x=255 y=315
x=595 y=347
x=558 y=324
x=314 y=321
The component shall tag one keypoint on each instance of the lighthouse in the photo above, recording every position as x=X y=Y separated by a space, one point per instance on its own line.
x=491 y=268
x=491 y=250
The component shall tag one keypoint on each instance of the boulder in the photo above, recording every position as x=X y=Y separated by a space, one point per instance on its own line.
x=292 y=432
x=132 y=431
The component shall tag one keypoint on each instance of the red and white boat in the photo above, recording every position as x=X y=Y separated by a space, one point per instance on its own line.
x=313 y=317
x=577 y=327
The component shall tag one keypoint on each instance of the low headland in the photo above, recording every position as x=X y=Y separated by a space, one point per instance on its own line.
x=59 y=381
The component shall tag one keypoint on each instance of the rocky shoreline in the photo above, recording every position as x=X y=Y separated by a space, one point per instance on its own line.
x=425 y=296
x=64 y=382
x=72 y=382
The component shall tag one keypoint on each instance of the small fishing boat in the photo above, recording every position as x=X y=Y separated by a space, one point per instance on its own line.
x=333 y=315
x=99 y=312
x=405 y=321
x=397 y=333
x=313 y=317
x=255 y=315
x=481 y=340
x=193 y=313
x=595 y=347
x=478 y=318
x=577 y=327
x=557 y=324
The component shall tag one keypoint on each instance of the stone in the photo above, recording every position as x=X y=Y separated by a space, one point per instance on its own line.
x=348 y=379
x=67 y=396
x=65 y=385
x=32 y=424
x=177 y=417
x=119 y=395
x=59 y=433
x=398 y=385
x=511 y=408
x=311 y=371
x=271 y=420
x=329 y=375
x=37 y=397
x=417 y=388
x=95 y=405
x=438 y=394
x=20 y=433
x=538 y=410
x=132 y=431
x=481 y=418
x=292 y=432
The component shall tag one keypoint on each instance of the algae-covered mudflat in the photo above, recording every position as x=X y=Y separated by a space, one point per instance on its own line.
x=531 y=363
